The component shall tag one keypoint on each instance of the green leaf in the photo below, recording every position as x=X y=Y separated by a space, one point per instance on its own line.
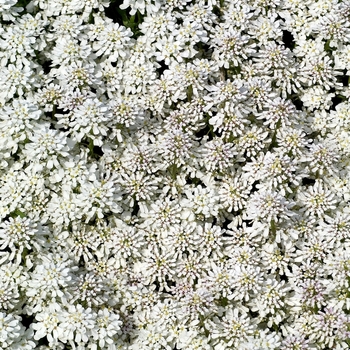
x=16 y=213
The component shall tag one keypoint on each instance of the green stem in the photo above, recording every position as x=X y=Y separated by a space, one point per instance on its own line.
x=173 y=171
x=189 y=93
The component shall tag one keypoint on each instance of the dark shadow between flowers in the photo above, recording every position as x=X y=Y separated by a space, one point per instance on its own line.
x=308 y=181
x=162 y=68
x=288 y=39
x=336 y=100
x=114 y=12
x=123 y=17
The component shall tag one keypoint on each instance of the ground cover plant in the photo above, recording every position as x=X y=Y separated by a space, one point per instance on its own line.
x=174 y=174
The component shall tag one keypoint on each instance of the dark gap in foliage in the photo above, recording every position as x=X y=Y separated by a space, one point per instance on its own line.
x=135 y=209
x=157 y=284
x=248 y=223
x=206 y=131
x=307 y=181
x=288 y=39
x=216 y=10
x=344 y=78
x=298 y=104
x=114 y=12
x=254 y=186
x=97 y=151
x=253 y=313
x=284 y=278
x=224 y=226
x=162 y=67
x=123 y=17
x=335 y=101
x=27 y=320
x=195 y=181
x=46 y=66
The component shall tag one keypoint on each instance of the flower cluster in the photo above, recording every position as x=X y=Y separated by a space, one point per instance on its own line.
x=174 y=174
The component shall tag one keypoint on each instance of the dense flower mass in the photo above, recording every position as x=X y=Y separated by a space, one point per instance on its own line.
x=174 y=174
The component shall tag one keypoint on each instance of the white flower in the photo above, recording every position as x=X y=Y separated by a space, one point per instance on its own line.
x=25 y=342
x=61 y=210
x=139 y=187
x=278 y=112
x=264 y=340
x=271 y=300
x=197 y=342
x=15 y=44
x=264 y=28
x=89 y=120
x=51 y=276
x=218 y=279
x=230 y=121
x=201 y=201
x=139 y=157
x=158 y=265
x=276 y=259
x=83 y=241
x=99 y=198
x=170 y=49
x=237 y=14
x=18 y=121
x=322 y=157
x=47 y=145
x=68 y=50
x=8 y=10
x=273 y=56
x=113 y=41
x=126 y=111
x=189 y=266
x=17 y=234
x=176 y=146
x=317 y=200
x=9 y=291
x=162 y=213
x=157 y=25
x=125 y=241
x=76 y=324
x=231 y=330
x=252 y=141
x=198 y=302
x=89 y=289
x=269 y=206
x=246 y=282
x=47 y=324
x=330 y=327
x=181 y=237
x=135 y=5
x=318 y=70
x=77 y=75
x=317 y=97
x=292 y=140
x=314 y=248
x=18 y=78
x=218 y=155
x=68 y=26
x=230 y=46
x=295 y=341
x=107 y=327
x=10 y=329
x=234 y=192
x=72 y=173
x=200 y=13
